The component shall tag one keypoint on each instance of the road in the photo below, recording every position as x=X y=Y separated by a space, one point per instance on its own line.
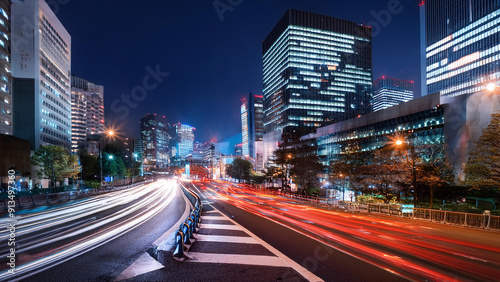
x=339 y=245
x=107 y=233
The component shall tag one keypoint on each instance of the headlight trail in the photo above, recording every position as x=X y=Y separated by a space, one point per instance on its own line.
x=82 y=235
x=401 y=247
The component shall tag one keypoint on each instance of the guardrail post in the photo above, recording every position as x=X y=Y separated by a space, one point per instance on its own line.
x=179 y=242
x=489 y=221
x=185 y=230
x=444 y=218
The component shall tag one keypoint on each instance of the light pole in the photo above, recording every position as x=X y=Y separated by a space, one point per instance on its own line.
x=411 y=158
x=109 y=134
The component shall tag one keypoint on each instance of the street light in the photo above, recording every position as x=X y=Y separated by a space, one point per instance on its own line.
x=109 y=133
x=413 y=174
x=491 y=87
x=111 y=157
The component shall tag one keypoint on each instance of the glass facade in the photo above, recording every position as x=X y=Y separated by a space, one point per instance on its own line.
x=5 y=72
x=155 y=139
x=317 y=71
x=252 y=124
x=391 y=91
x=373 y=131
x=462 y=45
x=183 y=140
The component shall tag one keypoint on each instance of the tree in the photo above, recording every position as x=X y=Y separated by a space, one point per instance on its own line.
x=305 y=170
x=55 y=163
x=135 y=170
x=90 y=166
x=482 y=169
x=240 y=169
x=434 y=169
x=350 y=164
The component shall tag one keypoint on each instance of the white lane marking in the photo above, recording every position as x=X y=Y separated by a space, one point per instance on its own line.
x=143 y=264
x=212 y=213
x=237 y=259
x=289 y=262
x=213 y=217
x=171 y=231
x=226 y=239
x=221 y=226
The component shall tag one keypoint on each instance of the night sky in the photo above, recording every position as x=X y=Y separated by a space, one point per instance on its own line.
x=212 y=64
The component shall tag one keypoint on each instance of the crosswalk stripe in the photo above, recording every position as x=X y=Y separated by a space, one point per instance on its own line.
x=213 y=217
x=143 y=264
x=237 y=259
x=226 y=239
x=220 y=226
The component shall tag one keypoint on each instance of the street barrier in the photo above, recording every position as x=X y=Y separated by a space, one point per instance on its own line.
x=484 y=221
x=55 y=198
x=184 y=237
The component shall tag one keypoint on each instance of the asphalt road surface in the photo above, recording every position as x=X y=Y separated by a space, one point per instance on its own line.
x=346 y=246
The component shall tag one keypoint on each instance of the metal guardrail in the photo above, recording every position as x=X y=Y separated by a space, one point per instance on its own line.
x=482 y=221
x=184 y=237
x=55 y=198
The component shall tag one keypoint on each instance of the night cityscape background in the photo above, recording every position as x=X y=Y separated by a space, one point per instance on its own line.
x=238 y=140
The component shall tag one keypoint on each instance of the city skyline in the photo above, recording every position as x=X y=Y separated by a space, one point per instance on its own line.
x=223 y=88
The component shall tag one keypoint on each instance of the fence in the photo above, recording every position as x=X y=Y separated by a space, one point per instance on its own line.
x=43 y=199
x=484 y=221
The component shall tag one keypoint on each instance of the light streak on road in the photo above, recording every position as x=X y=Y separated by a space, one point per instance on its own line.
x=41 y=248
x=402 y=247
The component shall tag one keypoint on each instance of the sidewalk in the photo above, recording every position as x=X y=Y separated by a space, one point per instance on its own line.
x=223 y=250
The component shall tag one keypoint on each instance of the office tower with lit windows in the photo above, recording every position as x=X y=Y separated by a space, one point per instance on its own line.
x=87 y=111
x=317 y=70
x=5 y=72
x=389 y=92
x=462 y=45
x=252 y=124
x=462 y=65
x=41 y=67
x=155 y=139
x=182 y=141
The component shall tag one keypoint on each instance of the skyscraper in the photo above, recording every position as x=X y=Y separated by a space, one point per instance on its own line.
x=155 y=137
x=87 y=111
x=252 y=127
x=182 y=141
x=41 y=67
x=317 y=70
x=5 y=73
x=389 y=92
x=462 y=45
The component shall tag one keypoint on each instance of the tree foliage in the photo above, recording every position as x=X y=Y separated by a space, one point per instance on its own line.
x=90 y=166
x=482 y=169
x=55 y=163
x=305 y=170
x=240 y=169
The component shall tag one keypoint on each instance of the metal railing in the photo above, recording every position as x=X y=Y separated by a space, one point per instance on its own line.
x=184 y=237
x=482 y=221
x=55 y=198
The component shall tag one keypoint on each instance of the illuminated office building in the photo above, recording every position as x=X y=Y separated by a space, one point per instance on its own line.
x=182 y=141
x=5 y=72
x=41 y=67
x=252 y=126
x=462 y=57
x=87 y=111
x=388 y=92
x=317 y=70
x=462 y=43
x=155 y=139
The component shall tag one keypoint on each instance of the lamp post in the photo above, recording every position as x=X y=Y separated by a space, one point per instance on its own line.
x=109 y=134
x=411 y=158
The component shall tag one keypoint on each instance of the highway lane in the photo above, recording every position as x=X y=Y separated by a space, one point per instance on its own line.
x=49 y=240
x=413 y=250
